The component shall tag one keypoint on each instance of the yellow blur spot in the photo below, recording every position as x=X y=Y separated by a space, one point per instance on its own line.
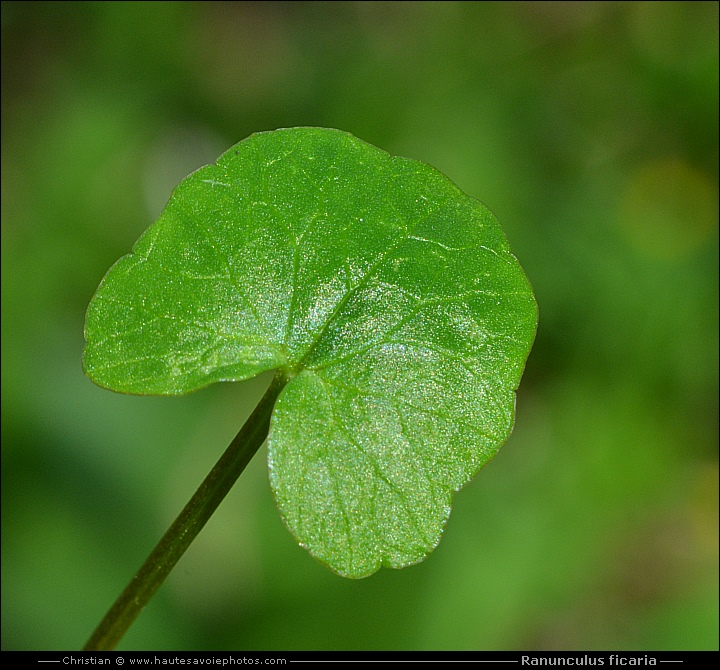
x=668 y=209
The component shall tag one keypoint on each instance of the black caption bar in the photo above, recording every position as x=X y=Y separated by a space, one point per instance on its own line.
x=298 y=659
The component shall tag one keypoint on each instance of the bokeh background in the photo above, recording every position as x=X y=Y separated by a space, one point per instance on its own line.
x=590 y=129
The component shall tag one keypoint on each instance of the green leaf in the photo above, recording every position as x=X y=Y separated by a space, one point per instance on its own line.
x=388 y=298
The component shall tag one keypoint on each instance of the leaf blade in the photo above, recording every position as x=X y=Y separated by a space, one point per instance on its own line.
x=390 y=299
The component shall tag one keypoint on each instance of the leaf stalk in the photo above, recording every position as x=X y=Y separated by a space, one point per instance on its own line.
x=188 y=524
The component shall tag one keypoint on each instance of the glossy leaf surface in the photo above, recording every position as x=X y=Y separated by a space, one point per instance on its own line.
x=388 y=297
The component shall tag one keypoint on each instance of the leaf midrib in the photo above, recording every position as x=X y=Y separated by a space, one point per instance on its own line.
x=409 y=231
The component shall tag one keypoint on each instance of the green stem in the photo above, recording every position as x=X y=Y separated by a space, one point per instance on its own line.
x=188 y=524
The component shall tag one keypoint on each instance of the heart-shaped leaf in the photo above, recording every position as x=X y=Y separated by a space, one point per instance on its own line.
x=388 y=298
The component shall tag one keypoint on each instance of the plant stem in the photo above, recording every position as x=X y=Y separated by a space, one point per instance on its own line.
x=188 y=524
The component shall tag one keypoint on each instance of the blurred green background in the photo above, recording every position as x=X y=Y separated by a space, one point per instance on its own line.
x=590 y=129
